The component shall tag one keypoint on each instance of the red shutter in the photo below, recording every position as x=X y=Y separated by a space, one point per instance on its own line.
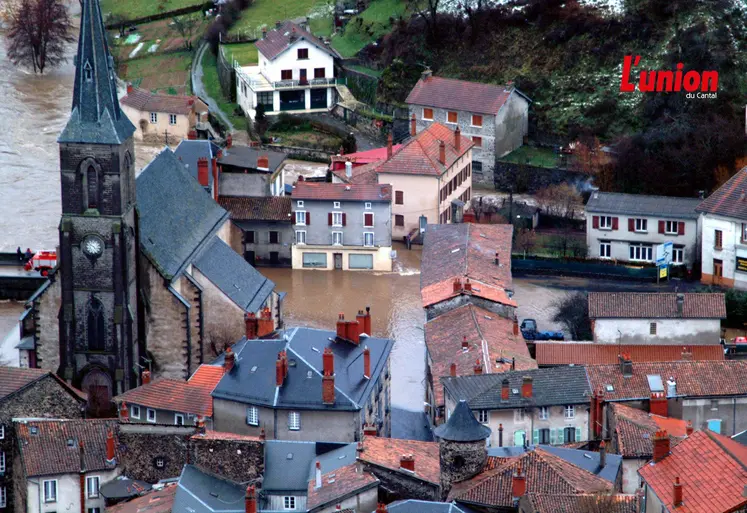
x=615 y=224
x=329 y=219
x=344 y=219
x=631 y=225
x=308 y=217
x=681 y=228
x=661 y=226
x=595 y=221
x=368 y=219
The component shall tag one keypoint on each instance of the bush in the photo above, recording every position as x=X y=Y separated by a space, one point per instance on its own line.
x=572 y=311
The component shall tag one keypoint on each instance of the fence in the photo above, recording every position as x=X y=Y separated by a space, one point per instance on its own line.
x=226 y=75
x=559 y=267
x=161 y=16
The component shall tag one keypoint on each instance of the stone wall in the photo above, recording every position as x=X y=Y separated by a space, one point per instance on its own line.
x=297 y=152
x=143 y=447
x=530 y=179
x=239 y=460
x=394 y=485
x=460 y=461
x=47 y=326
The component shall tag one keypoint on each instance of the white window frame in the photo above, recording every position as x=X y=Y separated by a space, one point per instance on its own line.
x=336 y=204
x=294 y=420
x=94 y=510
x=366 y=235
x=519 y=414
x=300 y=214
x=133 y=409
x=373 y=219
x=432 y=114
x=605 y=222
x=299 y=203
x=569 y=411
x=289 y=503
x=49 y=498
x=483 y=416
x=153 y=118
x=678 y=255
x=368 y=205
x=3 y=497
x=452 y=122
x=544 y=413
x=636 y=252
x=640 y=224
x=668 y=225
x=335 y=237
x=337 y=219
x=472 y=120
x=602 y=245
x=300 y=234
x=2 y=461
x=2 y=431
x=652 y=328
x=172 y=119
x=92 y=492
x=148 y=411
x=178 y=416
x=252 y=412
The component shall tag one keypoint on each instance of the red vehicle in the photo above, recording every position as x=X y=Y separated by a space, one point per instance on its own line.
x=736 y=345
x=42 y=261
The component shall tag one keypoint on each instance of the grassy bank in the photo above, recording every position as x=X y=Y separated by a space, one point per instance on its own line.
x=132 y=9
x=368 y=26
x=212 y=87
x=164 y=73
x=244 y=53
x=267 y=12
x=533 y=156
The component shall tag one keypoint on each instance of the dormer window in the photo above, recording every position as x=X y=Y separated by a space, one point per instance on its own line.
x=303 y=53
x=88 y=71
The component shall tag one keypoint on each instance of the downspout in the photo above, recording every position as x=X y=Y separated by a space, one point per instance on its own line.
x=275 y=424
x=734 y=416
x=39 y=491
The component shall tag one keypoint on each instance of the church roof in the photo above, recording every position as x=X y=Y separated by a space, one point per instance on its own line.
x=96 y=116
x=462 y=426
x=177 y=216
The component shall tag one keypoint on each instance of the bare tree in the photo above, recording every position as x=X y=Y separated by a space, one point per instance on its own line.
x=562 y=200
x=572 y=311
x=526 y=240
x=121 y=21
x=428 y=10
x=186 y=26
x=38 y=32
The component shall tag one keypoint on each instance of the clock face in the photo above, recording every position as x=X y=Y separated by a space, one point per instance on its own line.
x=93 y=246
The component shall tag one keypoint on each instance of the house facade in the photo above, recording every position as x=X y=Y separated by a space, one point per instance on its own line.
x=295 y=73
x=494 y=118
x=341 y=226
x=629 y=227
x=246 y=171
x=163 y=115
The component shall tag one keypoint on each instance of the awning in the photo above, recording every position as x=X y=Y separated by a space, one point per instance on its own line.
x=457 y=203
x=26 y=343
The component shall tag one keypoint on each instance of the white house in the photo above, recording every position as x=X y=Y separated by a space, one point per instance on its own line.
x=656 y=318
x=295 y=73
x=628 y=227
x=724 y=234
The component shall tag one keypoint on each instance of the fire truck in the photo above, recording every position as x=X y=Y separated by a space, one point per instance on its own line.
x=42 y=261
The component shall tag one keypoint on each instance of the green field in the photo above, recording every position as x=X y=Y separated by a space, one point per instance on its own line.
x=368 y=26
x=132 y=9
x=164 y=73
x=267 y=12
x=212 y=87
x=533 y=156
x=245 y=53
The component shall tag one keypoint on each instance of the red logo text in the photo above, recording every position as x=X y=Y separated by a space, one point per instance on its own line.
x=667 y=81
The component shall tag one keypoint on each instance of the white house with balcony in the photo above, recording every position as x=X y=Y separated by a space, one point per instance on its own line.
x=295 y=73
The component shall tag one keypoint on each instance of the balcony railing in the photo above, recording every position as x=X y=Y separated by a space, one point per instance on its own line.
x=312 y=82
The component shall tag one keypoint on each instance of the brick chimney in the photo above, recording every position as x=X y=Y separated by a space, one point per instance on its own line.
x=215 y=178
x=505 y=391
x=677 y=492
x=626 y=365
x=263 y=162
x=110 y=452
x=361 y=320
x=341 y=325
x=367 y=329
x=500 y=435
x=124 y=412
x=130 y=89
x=689 y=428
x=389 y=146
x=413 y=126
x=381 y=508
x=265 y=326
x=457 y=285
x=526 y=387
x=366 y=363
x=146 y=377
x=661 y=445
x=250 y=325
x=452 y=370
x=602 y=454
x=353 y=332
x=518 y=484
x=318 y=475
x=407 y=462
x=229 y=359
x=328 y=377
x=442 y=152
x=370 y=430
x=458 y=140
x=478 y=367
x=467 y=285
x=262 y=435
x=250 y=500
x=658 y=404
x=200 y=426
x=192 y=135
x=202 y=171
x=279 y=371
x=516 y=326
x=687 y=354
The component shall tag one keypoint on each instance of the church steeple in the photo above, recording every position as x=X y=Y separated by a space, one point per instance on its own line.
x=96 y=116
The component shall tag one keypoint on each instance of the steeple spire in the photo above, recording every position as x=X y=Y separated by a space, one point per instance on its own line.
x=96 y=116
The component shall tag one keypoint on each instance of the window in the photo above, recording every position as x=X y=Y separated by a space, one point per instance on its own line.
x=289 y=502
x=428 y=114
x=299 y=204
x=178 y=419
x=543 y=436
x=151 y=415
x=717 y=239
x=399 y=220
x=570 y=412
x=274 y=237
x=249 y=238
x=452 y=117
x=300 y=237
x=266 y=100
x=356 y=261
x=477 y=141
x=294 y=421
x=92 y=487
x=368 y=219
x=652 y=328
x=95 y=330
x=519 y=414
x=605 y=222
x=477 y=166
x=641 y=252
x=3 y=497
x=715 y=425
x=159 y=462
x=315 y=260
x=368 y=205
x=520 y=437
x=368 y=239
x=319 y=73
x=678 y=255
x=641 y=225
x=483 y=416
x=337 y=238
x=94 y=510
x=252 y=416
x=154 y=117
x=605 y=250
x=172 y=119
x=50 y=491
x=2 y=432
x=2 y=462
x=336 y=218
x=714 y=404
x=92 y=187
x=544 y=413
x=476 y=120
x=399 y=198
x=569 y=435
x=671 y=227
x=303 y=53
x=135 y=412
x=744 y=232
x=286 y=74
x=300 y=217
x=336 y=204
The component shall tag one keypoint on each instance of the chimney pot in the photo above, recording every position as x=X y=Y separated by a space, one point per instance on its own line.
x=413 y=126
x=389 y=146
x=367 y=329
x=465 y=344
x=124 y=412
x=602 y=454
x=526 y=387
x=146 y=377
x=458 y=140
x=689 y=428
x=381 y=508
x=478 y=367
x=500 y=435
x=192 y=135
x=497 y=259
x=442 y=152
x=452 y=370
x=366 y=363
x=518 y=484
x=677 y=491
x=250 y=500
x=229 y=359
x=661 y=445
x=110 y=452
x=407 y=462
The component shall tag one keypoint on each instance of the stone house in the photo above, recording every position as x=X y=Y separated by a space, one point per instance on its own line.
x=158 y=500
x=551 y=353
x=158 y=114
x=659 y=318
x=629 y=227
x=29 y=393
x=202 y=492
x=247 y=171
x=495 y=118
x=540 y=406
x=357 y=234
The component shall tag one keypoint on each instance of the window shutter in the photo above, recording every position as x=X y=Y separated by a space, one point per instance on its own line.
x=631 y=224
x=308 y=217
x=344 y=219
x=595 y=221
x=681 y=228
x=329 y=219
x=615 y=224
x=553 y=436
x=535 y=436
x=578 y=434
x=661 y=226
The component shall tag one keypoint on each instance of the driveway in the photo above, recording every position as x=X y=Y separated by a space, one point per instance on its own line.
x=198 y=88
x=363 y=141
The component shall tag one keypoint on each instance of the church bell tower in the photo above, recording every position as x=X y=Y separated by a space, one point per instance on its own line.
x=98 y=231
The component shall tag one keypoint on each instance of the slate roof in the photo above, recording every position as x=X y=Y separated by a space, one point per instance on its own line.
x=142 y=100
x=550 y=387
x=490 y=338
x=555 y=503
x=640 y=204
x=252 y=379
x=656 y=305
x=727 y=200
x=694 y=379
x=712 y=469
x=416 y=506
x=386 y=453
x=339 y=484
x=741 y=437
x=635 y=429
x=176 y=214
x=448 y=93
x=290 y=465
x=155 y=501
x=96 y=117
x=124 y=488
x=54 y=448
x=267 y=208
x=189 y=150
x=342 y=192
x=550 y=353
x=462 y=426
x=234 y=276
x=246 y=157
x=278 y=40
x=201 y=492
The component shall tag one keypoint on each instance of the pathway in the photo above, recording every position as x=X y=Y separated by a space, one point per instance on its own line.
x=198 y=88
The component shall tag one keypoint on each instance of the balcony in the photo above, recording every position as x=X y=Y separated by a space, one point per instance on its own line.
x=312 y=82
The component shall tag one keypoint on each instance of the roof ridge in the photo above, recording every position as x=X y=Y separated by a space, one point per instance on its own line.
x=727 y=450
x=559 y=465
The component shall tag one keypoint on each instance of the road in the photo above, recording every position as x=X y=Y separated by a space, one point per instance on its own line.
x=198 y=88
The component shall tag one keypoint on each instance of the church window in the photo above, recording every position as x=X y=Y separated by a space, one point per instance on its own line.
x=96 y=334
x=88 y=72
x=92 y=180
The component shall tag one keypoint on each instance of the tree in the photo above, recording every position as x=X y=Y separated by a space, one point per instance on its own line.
x=38 y=32
x=121 y=21
x=428 y=10
x=526 y=240
x=562 y=200
x=349 y=144
x=261 y=124
x=572 y=311
x=185 y=26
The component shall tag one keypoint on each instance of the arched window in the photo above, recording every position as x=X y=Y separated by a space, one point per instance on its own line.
x=95 y=329
x=125 y=179
x=92 y=180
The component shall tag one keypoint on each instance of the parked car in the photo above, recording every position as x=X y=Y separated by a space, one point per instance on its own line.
x=529 y=332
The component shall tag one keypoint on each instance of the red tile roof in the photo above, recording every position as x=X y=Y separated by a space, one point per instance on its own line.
x=554 y=503
x=443 y=290
x=694 y=379
x=278 y=40
x=155 y=501
x=54 y=449
x=269 y=208
x=590 y=353
x=342 y=192
x=145 y=101
x=545 y=473
x=635 y=429
x=727 y=200
x=361 y=158
x=13 y=379
x=656 y=305
x=386 y=453
x=448 y=93
x=339 y=484
x=712 y=470
x=490 y=338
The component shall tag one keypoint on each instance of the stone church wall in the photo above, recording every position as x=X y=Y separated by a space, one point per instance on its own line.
x=224 y=319
x=46 y=320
